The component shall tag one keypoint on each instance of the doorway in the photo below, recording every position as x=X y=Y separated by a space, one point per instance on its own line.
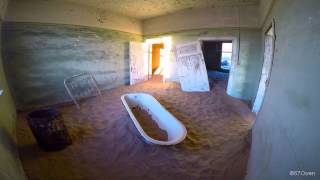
x=156 y=60
x=218 y=56
x=164 y=45
x=269 y=40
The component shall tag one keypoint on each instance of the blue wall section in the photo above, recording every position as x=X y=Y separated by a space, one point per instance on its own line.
x=37 y=58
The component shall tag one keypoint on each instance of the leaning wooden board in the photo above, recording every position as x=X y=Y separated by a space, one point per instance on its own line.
x=192 y=70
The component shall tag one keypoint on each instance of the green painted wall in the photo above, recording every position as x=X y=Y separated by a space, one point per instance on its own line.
x=246 y=75
x=286 y=133
x=37 y=58
x=10 y=167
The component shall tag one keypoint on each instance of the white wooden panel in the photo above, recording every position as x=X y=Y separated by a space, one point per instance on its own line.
x=192 y=70
x=138 y=66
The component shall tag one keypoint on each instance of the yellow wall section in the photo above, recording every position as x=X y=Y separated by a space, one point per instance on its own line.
x=10 y=166
x=156 y=56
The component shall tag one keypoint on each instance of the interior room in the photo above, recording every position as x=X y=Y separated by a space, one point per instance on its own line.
x=159 y=89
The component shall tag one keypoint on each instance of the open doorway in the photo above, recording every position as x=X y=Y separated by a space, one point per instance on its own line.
x=218 y=56
x=156 y=60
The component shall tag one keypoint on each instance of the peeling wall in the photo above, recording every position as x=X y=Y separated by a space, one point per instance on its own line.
x=286 y=133
x=37 y=58
x=245 y=78
x=219 y=17
x=69 y=13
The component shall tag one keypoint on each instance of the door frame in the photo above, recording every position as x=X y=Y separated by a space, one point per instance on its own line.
x=167 y=48
x=234 y=58
x=271 y=27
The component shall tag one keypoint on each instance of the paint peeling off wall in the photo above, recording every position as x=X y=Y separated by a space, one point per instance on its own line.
x=37 y=58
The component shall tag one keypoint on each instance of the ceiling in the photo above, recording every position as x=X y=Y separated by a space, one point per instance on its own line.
x=144 y=9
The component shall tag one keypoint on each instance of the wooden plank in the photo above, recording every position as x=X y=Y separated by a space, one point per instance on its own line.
x=191 y=68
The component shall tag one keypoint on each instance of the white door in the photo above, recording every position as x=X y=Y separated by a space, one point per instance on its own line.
x=138 y=64
x=266 y=69
x=191 y=68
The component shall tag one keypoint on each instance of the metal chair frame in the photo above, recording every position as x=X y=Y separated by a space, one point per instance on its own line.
x=71 y=85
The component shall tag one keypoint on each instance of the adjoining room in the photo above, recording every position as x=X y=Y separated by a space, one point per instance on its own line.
x=218 y=57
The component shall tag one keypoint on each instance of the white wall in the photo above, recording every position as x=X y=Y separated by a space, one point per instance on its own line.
x=221 y=17
x=69 y=13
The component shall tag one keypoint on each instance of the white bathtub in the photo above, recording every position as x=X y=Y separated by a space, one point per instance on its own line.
x=165 y=120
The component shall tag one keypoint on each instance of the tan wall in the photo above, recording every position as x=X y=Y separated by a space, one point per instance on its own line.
x=69 y=13
x=222 y=17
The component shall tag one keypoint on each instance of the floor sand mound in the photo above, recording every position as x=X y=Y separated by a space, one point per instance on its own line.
x=106 y=144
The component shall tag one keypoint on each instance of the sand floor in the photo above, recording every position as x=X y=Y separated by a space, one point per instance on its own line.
x=106 y=144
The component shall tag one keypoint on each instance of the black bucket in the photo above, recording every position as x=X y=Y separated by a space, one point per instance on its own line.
x=48 y=128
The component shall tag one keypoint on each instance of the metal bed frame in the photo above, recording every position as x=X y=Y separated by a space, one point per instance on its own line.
x=81 y=86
